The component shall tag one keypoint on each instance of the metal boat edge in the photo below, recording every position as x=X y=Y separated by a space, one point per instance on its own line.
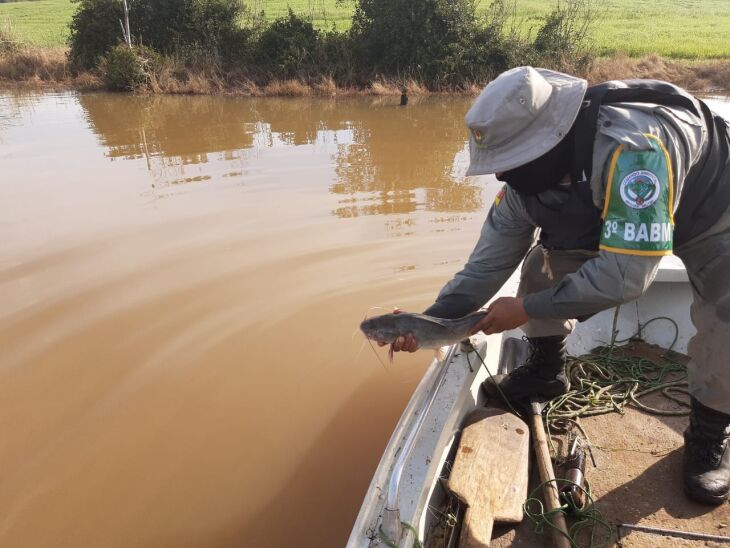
x=406 y=481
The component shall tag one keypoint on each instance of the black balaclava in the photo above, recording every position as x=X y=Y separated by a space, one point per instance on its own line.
x=544 y=172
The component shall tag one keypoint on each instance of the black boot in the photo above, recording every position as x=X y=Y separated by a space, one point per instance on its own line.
x=706 y=466
x=542 y=374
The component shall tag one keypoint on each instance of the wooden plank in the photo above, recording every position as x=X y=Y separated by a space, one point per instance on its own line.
x=490 y=473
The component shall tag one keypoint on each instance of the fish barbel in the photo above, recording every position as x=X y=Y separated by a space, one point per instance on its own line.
x=430 y=332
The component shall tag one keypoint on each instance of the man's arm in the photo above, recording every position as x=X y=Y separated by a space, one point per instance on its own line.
x=505 y=238
x=604 y=282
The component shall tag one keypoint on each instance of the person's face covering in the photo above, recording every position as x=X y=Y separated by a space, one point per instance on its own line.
x=542 y=173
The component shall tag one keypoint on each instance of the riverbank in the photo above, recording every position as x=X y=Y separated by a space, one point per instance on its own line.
x=48 y=69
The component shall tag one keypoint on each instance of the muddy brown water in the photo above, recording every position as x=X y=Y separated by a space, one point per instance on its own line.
x=181 y=282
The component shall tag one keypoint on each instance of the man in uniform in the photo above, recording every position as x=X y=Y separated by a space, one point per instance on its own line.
x=615 y=176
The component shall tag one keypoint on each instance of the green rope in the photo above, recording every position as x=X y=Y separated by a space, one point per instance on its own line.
x=586 y=517
x=385 y=540
x=608 y=381
x=605 y=381
x=496 y=384
x=639 y=334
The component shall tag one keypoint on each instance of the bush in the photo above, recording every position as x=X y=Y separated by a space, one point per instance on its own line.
x=336 y=59
x=124 y=68
x=477 y=58
x=562 y=42
x=94 y=30
x=484 y=50
x=169 y=26
x=409 y=37
x=439 y=44
x=289 y=47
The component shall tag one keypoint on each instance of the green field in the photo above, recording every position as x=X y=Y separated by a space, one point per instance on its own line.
x=40 y=22
x=673 y=28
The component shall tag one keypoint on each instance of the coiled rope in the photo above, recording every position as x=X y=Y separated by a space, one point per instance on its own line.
x=607 y=380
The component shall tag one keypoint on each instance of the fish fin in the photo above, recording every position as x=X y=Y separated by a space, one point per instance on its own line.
x=390 y=353
x=389 y=309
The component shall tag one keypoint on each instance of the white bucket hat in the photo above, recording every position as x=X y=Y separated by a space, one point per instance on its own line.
x=519 y=116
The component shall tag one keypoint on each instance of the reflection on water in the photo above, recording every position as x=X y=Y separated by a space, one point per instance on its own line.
x=12 y=111
x=181 y=281
x=387 y=159
x=402 y=158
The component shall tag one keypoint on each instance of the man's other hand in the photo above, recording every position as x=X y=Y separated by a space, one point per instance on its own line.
x=503 y=314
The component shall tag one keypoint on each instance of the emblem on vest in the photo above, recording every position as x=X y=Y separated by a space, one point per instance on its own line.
x=640 y=189
x=637 y=214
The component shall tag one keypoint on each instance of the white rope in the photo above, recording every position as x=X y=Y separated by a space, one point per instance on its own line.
x=546 y=264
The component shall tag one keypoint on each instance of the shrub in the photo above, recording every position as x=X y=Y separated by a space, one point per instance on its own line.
x=124 y=68
x=436 y=43
x=94 y=30
x=485 y=49
x=169 y=26
x=409 y=37
x=288 y=47
x=562 y=42
x=335 y=59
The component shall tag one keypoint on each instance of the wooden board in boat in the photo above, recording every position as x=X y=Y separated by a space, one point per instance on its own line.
x=490 y=473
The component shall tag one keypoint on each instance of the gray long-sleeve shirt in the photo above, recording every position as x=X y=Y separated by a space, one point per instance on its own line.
x=602 y=282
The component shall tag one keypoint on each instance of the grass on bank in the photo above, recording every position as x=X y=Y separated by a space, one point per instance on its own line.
x=40 y=22
x=682 y=29
x=679 y=29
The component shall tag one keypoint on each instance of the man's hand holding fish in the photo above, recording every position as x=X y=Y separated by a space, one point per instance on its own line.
x=503 y=314
x=404 y=343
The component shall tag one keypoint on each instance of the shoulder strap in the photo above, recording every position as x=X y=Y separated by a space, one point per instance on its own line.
x=624 y=91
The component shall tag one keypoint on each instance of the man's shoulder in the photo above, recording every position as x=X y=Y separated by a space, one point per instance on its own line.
x=623 y=125
x=509 y=209
x=631 y=124
x=636 y=127
x=629 y=128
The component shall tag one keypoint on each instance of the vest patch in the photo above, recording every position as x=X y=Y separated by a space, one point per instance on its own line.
x=640 y=189
x=637 y=216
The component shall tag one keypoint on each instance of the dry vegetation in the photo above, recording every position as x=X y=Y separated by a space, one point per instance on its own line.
x=47 y=69
x=698 y=76
x=43 y=68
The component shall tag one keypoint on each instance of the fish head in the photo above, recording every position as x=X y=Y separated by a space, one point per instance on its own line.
x=382 y=329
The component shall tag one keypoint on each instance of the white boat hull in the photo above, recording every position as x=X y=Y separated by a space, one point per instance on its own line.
x=406 y=481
